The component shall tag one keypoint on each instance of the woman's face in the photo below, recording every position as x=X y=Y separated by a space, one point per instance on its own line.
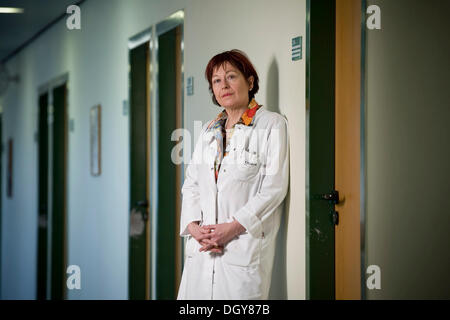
x=230 y=87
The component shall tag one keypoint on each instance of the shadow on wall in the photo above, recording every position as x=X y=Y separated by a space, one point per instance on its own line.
x=278 y=289
x=272 y=88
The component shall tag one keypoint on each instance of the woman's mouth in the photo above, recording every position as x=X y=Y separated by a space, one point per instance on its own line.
x=226 y=95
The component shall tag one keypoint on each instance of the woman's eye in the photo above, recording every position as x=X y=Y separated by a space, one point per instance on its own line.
x=231 y=76
x=216 y=81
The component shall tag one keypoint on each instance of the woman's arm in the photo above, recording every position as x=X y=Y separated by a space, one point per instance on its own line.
x=274 y=185
x=190 y=208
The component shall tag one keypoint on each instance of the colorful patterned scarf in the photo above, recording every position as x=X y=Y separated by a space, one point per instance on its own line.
x=218 y=127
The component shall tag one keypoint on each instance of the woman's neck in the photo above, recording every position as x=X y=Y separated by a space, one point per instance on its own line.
x=233 y=115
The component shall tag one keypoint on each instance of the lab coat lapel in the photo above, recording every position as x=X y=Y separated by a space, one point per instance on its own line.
x=210 y=159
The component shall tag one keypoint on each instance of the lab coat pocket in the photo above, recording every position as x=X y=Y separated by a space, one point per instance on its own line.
x=247 y=165
x=243 y=251
x=191 y=247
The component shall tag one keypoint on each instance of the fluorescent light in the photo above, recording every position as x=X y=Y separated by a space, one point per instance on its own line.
x=10 y=10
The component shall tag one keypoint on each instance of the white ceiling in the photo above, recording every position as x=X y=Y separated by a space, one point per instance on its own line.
x=16 y=30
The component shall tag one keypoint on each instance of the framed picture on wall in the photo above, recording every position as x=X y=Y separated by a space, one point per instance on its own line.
x=95 y=135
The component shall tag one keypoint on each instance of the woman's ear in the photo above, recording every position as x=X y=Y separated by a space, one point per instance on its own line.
x=250 y=82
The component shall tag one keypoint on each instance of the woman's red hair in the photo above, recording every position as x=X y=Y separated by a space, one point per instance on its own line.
x=239 y=60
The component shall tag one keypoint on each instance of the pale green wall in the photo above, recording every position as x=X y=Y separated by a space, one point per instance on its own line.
x=408 y=156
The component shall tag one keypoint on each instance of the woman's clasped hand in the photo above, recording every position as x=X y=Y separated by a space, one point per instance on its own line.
x=215 y=237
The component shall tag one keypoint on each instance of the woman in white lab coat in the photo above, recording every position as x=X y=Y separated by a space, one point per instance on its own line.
x=234 y=189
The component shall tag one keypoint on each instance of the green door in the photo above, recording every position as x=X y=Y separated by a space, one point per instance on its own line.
x=320 y=94
x=139 y=265
x=166 y=222
x=42 y=197
x=59 y=201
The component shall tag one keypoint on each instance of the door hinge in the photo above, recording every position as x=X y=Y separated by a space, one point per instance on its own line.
x=336 y=218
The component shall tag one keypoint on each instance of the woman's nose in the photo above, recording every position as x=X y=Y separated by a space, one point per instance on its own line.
x=225 y=83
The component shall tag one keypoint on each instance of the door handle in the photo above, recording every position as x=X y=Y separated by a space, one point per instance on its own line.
x=333 y=196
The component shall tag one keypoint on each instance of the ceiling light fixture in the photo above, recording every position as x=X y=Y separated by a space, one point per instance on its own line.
x=10 y=10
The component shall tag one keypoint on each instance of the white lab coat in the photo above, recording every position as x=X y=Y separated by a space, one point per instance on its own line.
x=251 y=186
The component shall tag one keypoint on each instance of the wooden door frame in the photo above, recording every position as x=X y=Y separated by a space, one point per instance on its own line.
x=349 y=85
x=363 y=171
